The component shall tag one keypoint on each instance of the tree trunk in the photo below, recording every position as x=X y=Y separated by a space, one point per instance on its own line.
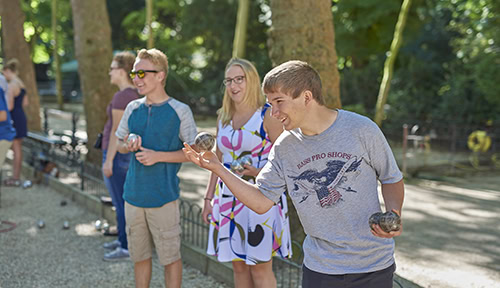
x=389 y=62
x=15 y=46
x=55 y=56
x=94 y=55
x=240 y=33
x=303 y=30
x=149 y=21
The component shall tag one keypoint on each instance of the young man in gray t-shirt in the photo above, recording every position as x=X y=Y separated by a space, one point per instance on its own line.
x=330 y=162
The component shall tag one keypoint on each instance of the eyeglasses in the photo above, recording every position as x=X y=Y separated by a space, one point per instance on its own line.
x=236 y=80
x=140 y=73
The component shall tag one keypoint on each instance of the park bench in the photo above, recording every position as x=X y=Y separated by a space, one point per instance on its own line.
x=58 y=140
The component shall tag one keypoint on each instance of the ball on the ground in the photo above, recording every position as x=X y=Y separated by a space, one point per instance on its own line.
x=65 y=225
x=204 y=141
x=40 y=224
x=98 y=225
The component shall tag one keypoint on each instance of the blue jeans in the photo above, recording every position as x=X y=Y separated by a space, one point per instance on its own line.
x=115 y=187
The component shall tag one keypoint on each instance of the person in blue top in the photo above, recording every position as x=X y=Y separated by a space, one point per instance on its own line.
x=151 y=190
x=17 y=100
x=7 y=132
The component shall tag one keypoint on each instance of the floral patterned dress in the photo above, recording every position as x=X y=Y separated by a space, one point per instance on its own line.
x=236 y=232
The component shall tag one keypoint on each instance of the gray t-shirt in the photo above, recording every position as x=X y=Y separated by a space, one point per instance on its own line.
x=332 y=181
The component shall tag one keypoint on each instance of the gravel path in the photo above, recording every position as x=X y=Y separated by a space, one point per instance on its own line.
x=54 y=257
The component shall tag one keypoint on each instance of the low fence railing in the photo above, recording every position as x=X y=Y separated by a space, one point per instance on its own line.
x=88 y=178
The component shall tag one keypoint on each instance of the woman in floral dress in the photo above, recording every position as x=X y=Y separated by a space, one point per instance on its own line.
x=245 y=128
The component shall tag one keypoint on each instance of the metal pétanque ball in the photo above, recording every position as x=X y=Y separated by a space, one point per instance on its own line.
x=204 y=141
x=246 y=160
x=236 y=166
x=390 y=221
x=374 y=218
x=132 y=138
x=65 y=225
x=40 y=224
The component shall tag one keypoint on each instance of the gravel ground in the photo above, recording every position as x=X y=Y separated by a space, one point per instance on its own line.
x=54 y=257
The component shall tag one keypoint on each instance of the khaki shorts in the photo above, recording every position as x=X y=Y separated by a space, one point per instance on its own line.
x=158 y=226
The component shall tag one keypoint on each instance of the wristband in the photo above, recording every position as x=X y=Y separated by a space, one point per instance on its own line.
x=206 y=198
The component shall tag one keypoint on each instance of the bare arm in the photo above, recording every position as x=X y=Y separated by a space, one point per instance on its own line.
x=113 y=143
x=210 y=191
x=12 y=91
x=393 y=198
x=246 y=192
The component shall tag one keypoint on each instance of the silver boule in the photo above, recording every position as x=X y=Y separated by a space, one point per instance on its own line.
x=27 y=184
x=98 y=225
x=40 y=224
x=205 y=141
x=236 y=166
x=65 y=225
x=246 y=160
x=132 y=138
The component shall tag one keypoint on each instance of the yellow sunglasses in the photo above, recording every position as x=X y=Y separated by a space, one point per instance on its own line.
x=140 y=73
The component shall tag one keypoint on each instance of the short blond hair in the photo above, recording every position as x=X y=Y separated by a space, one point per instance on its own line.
x=253 y=94
x=158 y=58
x=292 y=78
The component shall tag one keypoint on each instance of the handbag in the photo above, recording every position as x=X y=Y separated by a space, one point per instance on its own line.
x=98 y=141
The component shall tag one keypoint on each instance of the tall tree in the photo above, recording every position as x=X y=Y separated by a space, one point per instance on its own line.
x=15 y=46
x=149 y=22
x=240 y=33
x=389 y=62
x=94 y=54
x=303 y=30
x=55 y=53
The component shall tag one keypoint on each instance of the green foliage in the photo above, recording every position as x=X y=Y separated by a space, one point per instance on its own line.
x=447 y=67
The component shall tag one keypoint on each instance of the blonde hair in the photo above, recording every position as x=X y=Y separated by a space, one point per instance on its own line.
x=253 y=94
x=292 y=78
x=12 y=65
x=158 y=58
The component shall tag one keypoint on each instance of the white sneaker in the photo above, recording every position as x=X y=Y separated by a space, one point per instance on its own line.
x=112 y=245
x=117 y=255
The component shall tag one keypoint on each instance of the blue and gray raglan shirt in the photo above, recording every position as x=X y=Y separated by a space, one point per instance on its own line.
x=162 y=127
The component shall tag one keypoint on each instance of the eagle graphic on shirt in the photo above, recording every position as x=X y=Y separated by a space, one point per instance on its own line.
x=326 y=183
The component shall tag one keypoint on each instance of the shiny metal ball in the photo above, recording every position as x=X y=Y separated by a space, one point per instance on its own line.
x=390 y=221
x=27 y=184
x=40 y=224
x=132 y=138
x=204 y=141
x=236 y=166
x=374 y=219
x=65 y=225
x=246 y=160
x=98 y=225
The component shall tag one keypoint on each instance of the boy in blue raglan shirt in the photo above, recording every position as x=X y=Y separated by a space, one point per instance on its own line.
x=151 y=189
